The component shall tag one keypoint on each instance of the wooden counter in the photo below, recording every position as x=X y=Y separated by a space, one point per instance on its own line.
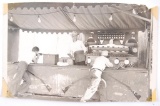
x=59 y=77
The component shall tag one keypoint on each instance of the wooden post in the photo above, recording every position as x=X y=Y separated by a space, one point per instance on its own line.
x=69 y=18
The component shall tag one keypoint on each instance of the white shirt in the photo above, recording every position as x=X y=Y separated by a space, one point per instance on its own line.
x=37 y=59
x=101 y=63
x=78 y=45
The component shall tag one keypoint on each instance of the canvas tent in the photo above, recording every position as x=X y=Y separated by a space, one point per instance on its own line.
x=58 y=17
x=82 y=17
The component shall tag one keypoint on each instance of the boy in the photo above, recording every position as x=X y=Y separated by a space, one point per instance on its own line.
x=36 y=56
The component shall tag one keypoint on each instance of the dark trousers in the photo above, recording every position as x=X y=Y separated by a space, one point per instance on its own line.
x=79 y=63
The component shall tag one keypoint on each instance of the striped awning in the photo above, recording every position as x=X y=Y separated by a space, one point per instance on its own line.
x=78 y=16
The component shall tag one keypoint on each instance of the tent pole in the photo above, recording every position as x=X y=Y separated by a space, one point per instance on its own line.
x=68 y=18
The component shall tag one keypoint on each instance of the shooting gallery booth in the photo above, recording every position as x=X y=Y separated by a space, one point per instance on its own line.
x=126 y=31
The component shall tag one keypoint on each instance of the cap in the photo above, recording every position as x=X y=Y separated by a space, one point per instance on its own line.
x=104 y=53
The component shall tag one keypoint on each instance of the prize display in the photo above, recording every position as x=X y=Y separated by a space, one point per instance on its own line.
x=114 y=44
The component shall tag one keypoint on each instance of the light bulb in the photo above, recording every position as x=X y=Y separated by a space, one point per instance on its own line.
x=11 y=19
x=116 y=61
x=111 y=18
x=133 y=11
x=74 y=18
x=39 y=20
x=126 y=62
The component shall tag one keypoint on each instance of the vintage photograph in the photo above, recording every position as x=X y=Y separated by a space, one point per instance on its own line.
x=79 y=52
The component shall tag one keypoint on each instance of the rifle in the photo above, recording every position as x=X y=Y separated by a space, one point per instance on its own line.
x=129 y=88
x=46 y=85
x=67 y=87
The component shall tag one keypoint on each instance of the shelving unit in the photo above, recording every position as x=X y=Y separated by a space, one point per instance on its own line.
x=115 y=51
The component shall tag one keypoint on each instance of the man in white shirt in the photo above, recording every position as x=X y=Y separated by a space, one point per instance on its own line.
x=78 y=50
x=98 y=67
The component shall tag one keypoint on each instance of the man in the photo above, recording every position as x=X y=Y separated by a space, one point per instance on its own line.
x=98 y=67
x=78 y=50
x=18 y=79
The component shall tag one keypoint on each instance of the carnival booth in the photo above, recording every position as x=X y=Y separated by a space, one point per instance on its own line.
x=121 y=29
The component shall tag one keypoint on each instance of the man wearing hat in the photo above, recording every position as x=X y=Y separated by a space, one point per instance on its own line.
x=98 y=67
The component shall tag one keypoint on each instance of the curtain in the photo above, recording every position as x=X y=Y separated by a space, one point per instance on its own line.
x=64 y=44
x=143 y=48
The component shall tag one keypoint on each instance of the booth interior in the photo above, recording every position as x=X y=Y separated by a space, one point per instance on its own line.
x=121 y=29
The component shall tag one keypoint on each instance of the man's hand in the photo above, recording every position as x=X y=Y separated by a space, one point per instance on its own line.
x=69 y=55
x=40 y=53
x=73 y=58
x=109 y=64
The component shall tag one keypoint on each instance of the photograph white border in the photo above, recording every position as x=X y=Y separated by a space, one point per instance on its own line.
x=32 y=102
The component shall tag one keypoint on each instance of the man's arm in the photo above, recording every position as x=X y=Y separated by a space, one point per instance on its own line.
x=108 y=63
x=71 y=52
x=83 y=47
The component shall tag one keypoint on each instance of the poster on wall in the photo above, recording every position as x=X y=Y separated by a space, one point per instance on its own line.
x=80 y=52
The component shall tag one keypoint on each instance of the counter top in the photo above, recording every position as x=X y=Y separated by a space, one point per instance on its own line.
x=83 y=67
x=52 y=65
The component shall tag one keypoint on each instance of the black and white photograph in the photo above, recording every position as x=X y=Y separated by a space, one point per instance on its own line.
x=80 y=52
